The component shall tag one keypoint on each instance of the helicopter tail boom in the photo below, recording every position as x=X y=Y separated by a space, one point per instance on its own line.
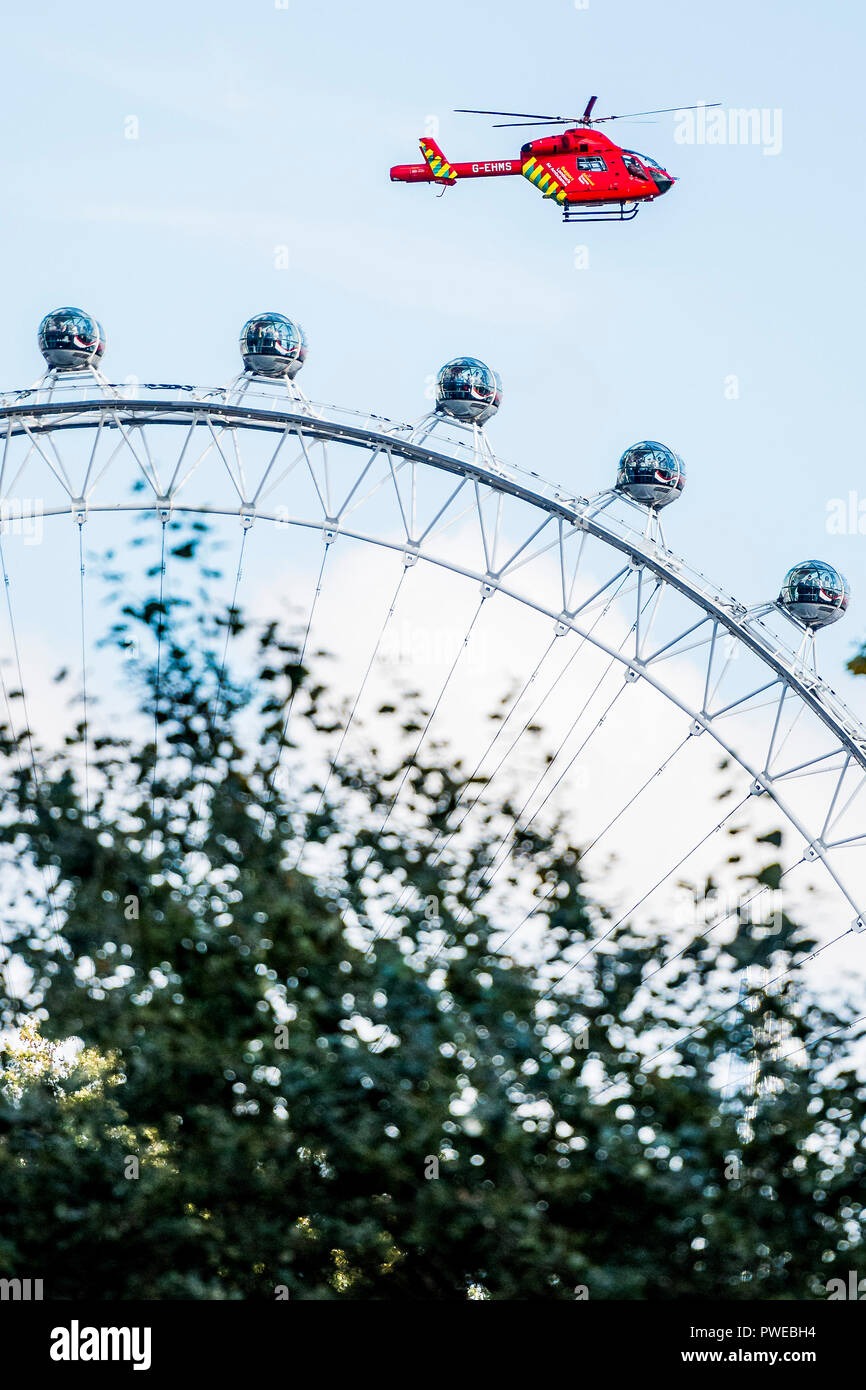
x=437 y=169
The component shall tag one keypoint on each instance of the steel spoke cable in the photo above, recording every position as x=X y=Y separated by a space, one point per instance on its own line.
x=8 y=954
x=7 y=700
x=484 y=886
x=528 y=723
x=432 y=715
x=552 y=889
x=411 y=761
x=295 y=687
x=37 y=788
x=5 y=965
x=648 y=894
x=531 y=720
x=160 y=627
x=216 y=710
x=84 y=723
x=736 y=1004
x=503 y=843
x=704 y=935
x=358 y=697
x=486 y=753
x=720 y=921
x=488 y=876
x=803 y=1046
x=499 y=732
x=628 y=805
x=493 y=869
x=17 y=653
x=584 y=707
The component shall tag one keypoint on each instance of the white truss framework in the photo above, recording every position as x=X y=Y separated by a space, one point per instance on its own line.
x=745 y=676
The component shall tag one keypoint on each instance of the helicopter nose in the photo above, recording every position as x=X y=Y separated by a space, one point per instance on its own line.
x=663 y=182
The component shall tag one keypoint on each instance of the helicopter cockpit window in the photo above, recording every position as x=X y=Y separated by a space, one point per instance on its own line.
x=592 y=163
x=633 y=167
x=650 y=164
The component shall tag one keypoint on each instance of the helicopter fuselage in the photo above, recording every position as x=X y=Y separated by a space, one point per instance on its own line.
x=580 y=165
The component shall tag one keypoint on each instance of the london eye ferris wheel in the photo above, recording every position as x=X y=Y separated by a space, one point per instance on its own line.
x=632 y=643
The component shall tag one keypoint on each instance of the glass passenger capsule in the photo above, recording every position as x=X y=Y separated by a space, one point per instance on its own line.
x=70 y=340
x=651 y=473
x=273 y=345
x=815 y=593
x=468 y=390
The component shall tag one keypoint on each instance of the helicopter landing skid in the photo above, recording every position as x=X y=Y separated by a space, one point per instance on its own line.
x=622 y=212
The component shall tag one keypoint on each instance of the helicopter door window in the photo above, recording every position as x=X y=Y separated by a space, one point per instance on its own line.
x=592 y=164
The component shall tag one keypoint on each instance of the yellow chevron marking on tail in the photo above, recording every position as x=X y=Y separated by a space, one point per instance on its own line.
x=439 y=167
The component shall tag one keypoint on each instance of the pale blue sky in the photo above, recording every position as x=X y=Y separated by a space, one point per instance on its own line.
x=261 y=126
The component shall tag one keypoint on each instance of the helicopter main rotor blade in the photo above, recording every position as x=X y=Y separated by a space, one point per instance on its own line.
x=660 y=111
x=530 y=118
x=527 y=115
x=506 y=125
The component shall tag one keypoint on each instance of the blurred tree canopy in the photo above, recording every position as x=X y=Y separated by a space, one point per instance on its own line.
x=311 y=1066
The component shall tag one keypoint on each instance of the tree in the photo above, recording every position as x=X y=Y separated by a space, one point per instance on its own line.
x=300 y=1018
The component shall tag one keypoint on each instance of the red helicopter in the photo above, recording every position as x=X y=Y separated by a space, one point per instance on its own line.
x=582 y=171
